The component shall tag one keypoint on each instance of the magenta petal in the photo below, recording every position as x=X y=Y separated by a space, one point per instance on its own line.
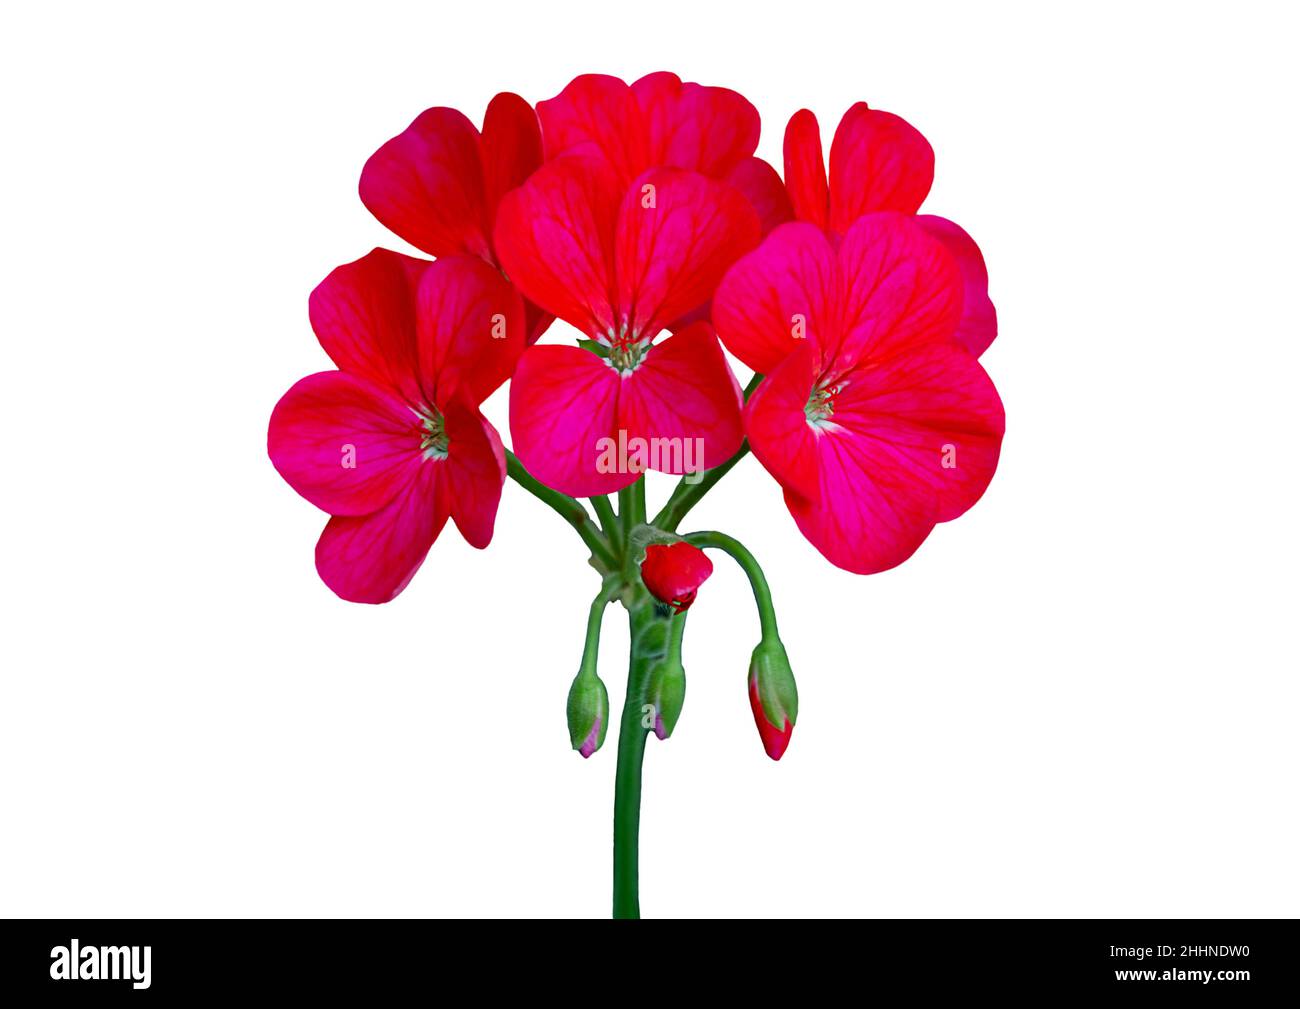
x=476 y=472
x=684 y=398
x=777 y=297
x=345 y=444
x=777 y=424
x=899 y=289
x=371 y=558
x=563 y=418
x=915 y=441
x=979 y=319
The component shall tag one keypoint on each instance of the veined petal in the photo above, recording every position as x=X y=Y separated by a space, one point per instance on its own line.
x=564 y=420
x=915 y=442
x=599 y=112
x=878 y=162
x=683 y=400
x=471 y=329
x=555 y=240
x=371 y=558
x=776 y=422
x=777 y=297
x=363 y=313
x=345 y=444
x=702 y=129
x=979 y=319
x=426 y=185
x=476 y=471
x=898 y=289
x=678 y=232
x=805 y=171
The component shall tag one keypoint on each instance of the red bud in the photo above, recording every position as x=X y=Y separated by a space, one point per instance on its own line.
x=673 y=572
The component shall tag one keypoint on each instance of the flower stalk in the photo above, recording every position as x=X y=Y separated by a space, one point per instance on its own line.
x=569 y=509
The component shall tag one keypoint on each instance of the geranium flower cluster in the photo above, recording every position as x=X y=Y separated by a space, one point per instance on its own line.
x=639 y=216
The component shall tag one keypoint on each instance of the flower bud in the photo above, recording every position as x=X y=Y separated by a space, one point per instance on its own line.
x=673 y=572
x=667 y=694
x=773 y=696
x=588 y=711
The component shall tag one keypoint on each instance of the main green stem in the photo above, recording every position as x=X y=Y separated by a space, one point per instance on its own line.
x=649 y=631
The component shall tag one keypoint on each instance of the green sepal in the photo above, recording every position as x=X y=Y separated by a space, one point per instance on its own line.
x=776 y=687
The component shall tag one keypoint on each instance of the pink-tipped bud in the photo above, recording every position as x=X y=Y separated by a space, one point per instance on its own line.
x=674 y=572
x=773 y=697
x=588 y=713
x=668 y=693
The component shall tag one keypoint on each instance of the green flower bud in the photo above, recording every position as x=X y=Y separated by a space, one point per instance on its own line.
x=588 y=711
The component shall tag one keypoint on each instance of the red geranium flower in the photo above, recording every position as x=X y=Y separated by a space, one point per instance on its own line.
x=622 y=260
x=393 y=442
x=659 y=121
x=439 y=182
x=872 y=417
x=881 y=162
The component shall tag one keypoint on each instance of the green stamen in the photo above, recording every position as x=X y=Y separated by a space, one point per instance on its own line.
x=434 y=442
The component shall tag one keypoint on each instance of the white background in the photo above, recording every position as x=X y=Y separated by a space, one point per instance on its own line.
x=1078 y=700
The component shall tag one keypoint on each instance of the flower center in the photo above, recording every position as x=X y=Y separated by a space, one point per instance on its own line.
x=626 y=352
x=433 y=442
x=820 y=407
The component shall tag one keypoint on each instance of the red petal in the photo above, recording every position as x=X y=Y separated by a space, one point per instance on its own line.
x=915 y=442
x=426 y=185
x=371 y=558
x=979 y=319
x=554 y=237
x=678 y=232
x=764 y=190
x=786 y=283
x=536 y=321
x=775 y=741
x=345 y=444
x=899 y=289
x=878 y=162
x=776 y=423
x=598 y=113
x=805 y=172
x=476 y=472
x=363 y=313
x=702 y=129
x=511 y=146
x=471 y=329
x=563 y=403
x=685 y=402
